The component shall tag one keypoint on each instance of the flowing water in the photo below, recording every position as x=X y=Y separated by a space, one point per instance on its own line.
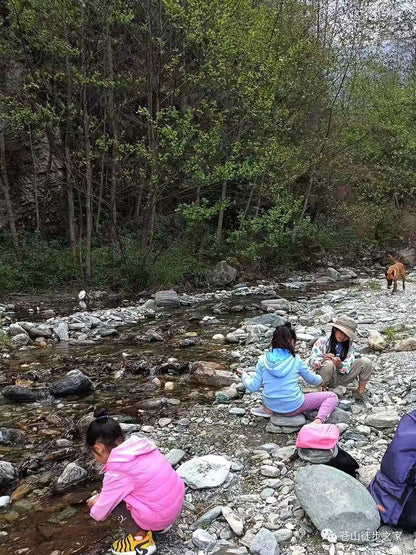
x=42 y=521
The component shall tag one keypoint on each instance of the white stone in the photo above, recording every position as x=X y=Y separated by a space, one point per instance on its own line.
x=208 y=471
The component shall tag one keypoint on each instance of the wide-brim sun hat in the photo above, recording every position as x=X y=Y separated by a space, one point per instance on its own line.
x=346 y=325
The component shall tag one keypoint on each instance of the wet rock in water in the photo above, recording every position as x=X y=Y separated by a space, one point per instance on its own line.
x=376 y=341
x=382 y=419
x=16 y=329
x=8 y=475
x=153 y=404
x=141 y=367
x=223 y=274
x=212 y=374
x=4 y=501
x=20 y=340
x=317 y=456
x=167 y=299
x=264 y=543
x=335 y=501
x=73 y=383
x=107 y=332
x=73 y=474
x=276 y=304
x=61 y=330
x=209 y=471
x=40 y=330
x=218 y=337
x=10 y=436
x=20 y=394
x=237 y=336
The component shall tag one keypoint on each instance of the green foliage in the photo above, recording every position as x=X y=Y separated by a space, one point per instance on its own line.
x=4 y=339
x=390 y=332
x=374 y=285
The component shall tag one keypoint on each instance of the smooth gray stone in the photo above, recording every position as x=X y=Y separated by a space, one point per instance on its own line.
x=337 y=502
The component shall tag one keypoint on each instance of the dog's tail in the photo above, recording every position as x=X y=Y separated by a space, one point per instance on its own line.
x=393 y=259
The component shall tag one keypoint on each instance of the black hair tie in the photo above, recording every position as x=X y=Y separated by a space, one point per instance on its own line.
x=103 y=416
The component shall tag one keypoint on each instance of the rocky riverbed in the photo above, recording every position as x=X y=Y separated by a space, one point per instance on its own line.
x=167 y=370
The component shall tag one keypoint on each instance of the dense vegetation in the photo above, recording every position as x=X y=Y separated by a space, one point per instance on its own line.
x=141 y=140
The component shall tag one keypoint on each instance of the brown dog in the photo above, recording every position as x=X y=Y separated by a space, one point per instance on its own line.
x=396 y=271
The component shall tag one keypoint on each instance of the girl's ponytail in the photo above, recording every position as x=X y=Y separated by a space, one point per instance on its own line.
x=104 y=429
x=284 y=337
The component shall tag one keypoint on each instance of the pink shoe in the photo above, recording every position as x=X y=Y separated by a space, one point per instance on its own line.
x=259 y=411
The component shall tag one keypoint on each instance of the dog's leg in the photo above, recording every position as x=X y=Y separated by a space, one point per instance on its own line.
x=403 y=283
x=394 y=286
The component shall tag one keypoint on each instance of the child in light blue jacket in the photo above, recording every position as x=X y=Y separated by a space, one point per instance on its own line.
x=277 y=372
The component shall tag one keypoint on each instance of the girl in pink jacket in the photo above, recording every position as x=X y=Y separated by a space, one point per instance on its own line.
x=140 y=485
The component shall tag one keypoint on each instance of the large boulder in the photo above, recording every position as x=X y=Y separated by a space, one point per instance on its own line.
x=16 y=329
x=61 y=329
x=382 y=419
x=376 y=341
x=223 y=274
x=167 y=299
x=212 y=374
x=8 y=475
x=73 y=383
x=37 y=330
x=20 y=340
x=408 y=344
x=337 y=502
x=20 y=394
x=209 y=471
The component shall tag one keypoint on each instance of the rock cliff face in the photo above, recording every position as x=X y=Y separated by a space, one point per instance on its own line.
x=35 y=180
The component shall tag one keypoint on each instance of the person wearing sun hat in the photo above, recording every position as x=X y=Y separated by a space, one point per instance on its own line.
x=333 y=358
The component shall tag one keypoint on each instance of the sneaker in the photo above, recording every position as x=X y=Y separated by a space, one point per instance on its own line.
x=259 y=411
x=360 y=397
x=130 y=546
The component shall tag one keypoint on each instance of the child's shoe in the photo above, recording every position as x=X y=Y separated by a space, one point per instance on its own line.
x=130 y=546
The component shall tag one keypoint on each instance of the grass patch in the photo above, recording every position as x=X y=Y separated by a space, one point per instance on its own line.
x=390 y=333
x=374 y=285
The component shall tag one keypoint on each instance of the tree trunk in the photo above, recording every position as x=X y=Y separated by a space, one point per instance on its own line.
x=112 y=127
x=221 y=212
x=8 y=201
x=87 y=148
x=35 y=180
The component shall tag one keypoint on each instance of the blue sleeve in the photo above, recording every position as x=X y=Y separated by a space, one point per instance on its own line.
x=254 y=383
x=307 y=375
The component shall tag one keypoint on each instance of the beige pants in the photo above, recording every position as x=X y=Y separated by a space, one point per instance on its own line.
x=362 y=369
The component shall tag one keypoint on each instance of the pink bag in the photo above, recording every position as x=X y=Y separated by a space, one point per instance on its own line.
x=318 y=436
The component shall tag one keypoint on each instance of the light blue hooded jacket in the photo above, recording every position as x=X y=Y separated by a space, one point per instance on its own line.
x=278 y=371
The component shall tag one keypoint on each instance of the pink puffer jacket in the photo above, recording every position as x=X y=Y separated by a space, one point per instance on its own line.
x=136 y=472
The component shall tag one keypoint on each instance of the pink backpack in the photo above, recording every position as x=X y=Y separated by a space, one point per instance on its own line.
x=318 y=436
